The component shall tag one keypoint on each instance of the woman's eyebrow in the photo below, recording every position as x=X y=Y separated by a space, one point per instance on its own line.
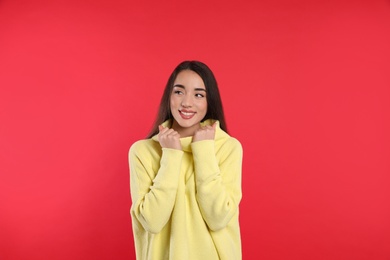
x=200 y=89
x=181 y=86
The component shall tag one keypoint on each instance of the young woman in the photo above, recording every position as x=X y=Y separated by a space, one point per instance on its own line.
x=185 y=179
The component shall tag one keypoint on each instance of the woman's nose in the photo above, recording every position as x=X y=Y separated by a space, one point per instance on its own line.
x=186 y=101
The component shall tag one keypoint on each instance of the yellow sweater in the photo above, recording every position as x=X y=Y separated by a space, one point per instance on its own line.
x=185 y=203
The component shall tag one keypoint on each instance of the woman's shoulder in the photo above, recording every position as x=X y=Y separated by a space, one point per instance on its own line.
x=226 y=144
x=231 y=143
x=143 y=145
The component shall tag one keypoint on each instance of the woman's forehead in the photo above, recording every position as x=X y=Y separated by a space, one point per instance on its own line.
x=189 y=79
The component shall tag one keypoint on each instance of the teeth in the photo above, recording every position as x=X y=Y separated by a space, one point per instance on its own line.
x=187 y=113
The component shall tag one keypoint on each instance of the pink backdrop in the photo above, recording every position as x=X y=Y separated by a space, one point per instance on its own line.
x=306 y=89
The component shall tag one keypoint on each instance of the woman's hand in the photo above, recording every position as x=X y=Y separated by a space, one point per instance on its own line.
x=168 y=138
x=205 y=133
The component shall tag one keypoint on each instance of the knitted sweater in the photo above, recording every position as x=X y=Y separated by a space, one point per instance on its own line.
x=185 y=202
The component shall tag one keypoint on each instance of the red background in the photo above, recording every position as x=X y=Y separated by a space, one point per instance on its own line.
x=305 y=85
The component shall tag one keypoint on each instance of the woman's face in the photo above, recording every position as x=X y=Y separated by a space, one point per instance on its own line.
x=188 y=102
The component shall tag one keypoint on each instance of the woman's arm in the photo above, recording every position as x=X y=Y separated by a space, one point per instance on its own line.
x=153 y=195
x=218 y=183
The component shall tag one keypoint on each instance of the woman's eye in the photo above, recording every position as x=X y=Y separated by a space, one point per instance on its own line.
x=178 y=92
x=199 y=95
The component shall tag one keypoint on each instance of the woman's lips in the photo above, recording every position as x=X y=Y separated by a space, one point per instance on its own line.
x=186 y=114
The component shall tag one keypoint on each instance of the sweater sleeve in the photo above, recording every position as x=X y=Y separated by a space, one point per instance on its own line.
x=153 y=197
x=218 y=182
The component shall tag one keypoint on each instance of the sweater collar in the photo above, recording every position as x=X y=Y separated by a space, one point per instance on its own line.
x=186 y=141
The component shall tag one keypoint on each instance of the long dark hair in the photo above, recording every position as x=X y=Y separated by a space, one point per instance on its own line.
x=214 y=102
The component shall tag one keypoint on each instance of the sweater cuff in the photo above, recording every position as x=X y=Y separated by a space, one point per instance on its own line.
x=170 y=165
x=205 y=162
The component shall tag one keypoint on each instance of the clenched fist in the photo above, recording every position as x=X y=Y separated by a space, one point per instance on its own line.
x=205 y=133
x=168 y=138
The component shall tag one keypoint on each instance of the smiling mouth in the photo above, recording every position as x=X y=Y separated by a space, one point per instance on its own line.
x=186 y=114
